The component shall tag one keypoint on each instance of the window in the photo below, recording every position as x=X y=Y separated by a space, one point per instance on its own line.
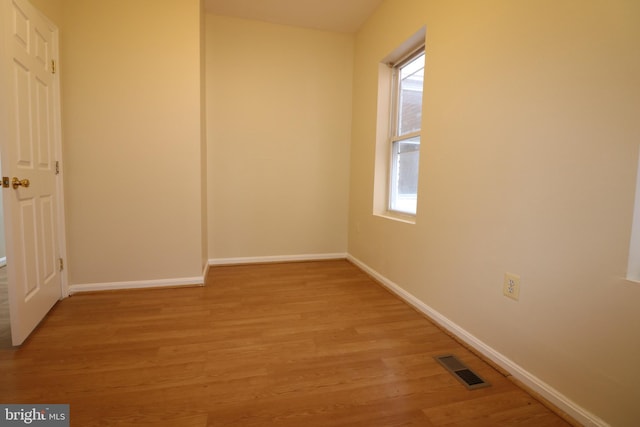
x=398 y=129
x=633 y=266
x=406 y=117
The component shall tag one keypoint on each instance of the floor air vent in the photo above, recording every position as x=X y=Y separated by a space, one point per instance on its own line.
x=466 y=376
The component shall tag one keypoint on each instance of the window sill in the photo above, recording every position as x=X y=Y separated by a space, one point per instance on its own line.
x=397 y=216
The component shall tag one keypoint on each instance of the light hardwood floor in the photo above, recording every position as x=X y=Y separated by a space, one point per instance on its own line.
x=300 y=344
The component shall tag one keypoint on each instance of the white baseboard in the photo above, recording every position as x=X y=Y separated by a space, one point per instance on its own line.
x=205 y=272
x=3 y=261
x=278 y=258
x=142 y=284
x=529 y=380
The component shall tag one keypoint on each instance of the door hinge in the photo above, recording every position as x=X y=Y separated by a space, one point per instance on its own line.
x=57 y=167
x=53 y=66
x=61 y=264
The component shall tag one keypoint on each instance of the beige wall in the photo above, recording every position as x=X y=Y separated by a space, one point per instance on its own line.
x=52 y=9
x=530 y=144
x=132 y=139
x=279 y=114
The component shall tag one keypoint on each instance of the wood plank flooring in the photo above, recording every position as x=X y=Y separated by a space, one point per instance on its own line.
x=300 y=344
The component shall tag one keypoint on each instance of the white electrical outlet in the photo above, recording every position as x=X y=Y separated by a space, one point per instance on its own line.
x=511 y=286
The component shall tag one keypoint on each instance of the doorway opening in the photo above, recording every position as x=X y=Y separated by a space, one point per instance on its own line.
x=5 y=322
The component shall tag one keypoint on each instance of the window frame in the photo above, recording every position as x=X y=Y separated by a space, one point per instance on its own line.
x=395 y=137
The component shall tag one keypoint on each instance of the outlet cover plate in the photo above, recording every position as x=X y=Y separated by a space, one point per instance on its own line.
x=511 y=286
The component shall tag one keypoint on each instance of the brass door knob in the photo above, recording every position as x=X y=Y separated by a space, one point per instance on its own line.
x=15 y=183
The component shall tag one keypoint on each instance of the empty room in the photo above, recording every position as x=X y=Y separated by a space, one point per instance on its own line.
x=320 y=213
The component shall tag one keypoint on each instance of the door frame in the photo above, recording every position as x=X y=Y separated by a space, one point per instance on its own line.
x=57 y=134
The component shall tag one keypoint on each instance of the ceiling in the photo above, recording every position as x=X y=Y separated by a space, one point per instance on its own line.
x=344 y=16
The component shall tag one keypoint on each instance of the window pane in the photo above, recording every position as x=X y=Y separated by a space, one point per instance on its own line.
x=404 y=175
x=410 y=102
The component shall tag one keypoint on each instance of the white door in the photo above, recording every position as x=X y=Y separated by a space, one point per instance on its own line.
x=29 y=147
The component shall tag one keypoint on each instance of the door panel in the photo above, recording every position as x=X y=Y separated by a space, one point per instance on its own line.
x=30 y=212
x=23 y=114
x=27 y=221
x=41 y=48
x=43 y=120
x=47 y=227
